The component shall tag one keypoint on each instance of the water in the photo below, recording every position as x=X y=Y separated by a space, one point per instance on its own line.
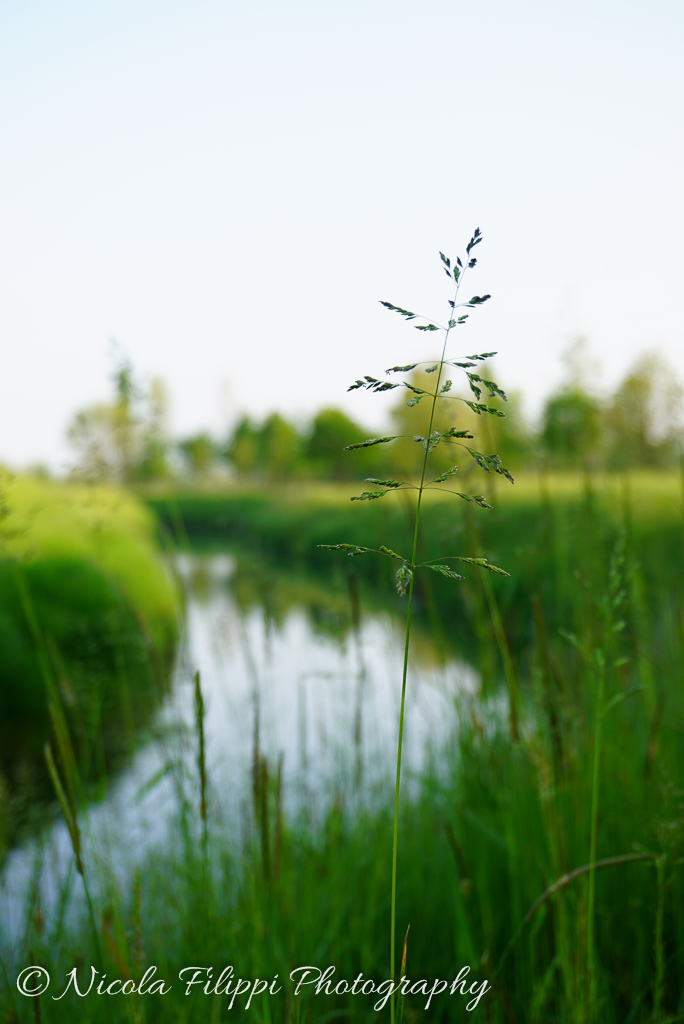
x=324 y=705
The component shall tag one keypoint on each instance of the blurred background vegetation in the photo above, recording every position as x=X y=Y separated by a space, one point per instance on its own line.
x=638 y=426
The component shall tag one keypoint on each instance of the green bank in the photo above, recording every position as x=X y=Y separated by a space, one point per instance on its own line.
x=89 y=618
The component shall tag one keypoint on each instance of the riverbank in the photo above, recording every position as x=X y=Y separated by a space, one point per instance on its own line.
x=89 y=618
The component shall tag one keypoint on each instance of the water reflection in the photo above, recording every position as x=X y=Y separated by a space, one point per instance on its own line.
x=288 y=671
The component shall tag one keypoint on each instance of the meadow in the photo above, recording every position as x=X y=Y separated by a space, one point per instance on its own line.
x=567 y=757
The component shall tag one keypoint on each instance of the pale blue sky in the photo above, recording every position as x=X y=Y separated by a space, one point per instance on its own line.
x=227 y=187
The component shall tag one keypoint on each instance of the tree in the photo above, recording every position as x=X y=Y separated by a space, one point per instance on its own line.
x=643 y=418
x=279 y=448
x=123 y=441
x=331 y=431
x=242 y=448
x=572 y=427
x=198 y=452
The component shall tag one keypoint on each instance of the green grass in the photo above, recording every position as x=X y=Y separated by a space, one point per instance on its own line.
x=88 y=606
x=594 y=603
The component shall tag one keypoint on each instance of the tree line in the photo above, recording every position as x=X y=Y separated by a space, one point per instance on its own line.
x=126 y=440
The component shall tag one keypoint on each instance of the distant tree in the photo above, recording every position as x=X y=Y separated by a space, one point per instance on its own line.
x=198 y=453
x=242 y=449
x=643 y=417
x=122 y=441
x=279 y=448
x=154 y=461
x=331 y=431
x=572 y=428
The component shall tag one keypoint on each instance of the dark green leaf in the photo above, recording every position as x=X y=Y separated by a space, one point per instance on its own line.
x=453 y=432
x=426 y=327
x=446 y=386
x=397 y=309
x=479 y=408
x=477 y=499
x=385 y=483
x=372 y=384
x=369 y=495
x=489 y=463
x=369 y=442
x=389 y=552
x=477 y=300
x=484 y=564
x=401 y=369
x=445 y=476
x=445 y=259
x=482 y=355
x=494 y=390
x=446 y=570
x=351 y=549
x=475 y=240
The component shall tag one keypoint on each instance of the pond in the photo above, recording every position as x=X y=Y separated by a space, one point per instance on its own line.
x=313 y=691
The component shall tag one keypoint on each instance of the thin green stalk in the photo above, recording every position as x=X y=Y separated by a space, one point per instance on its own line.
x=395 y=831
x=598 y=728
x=659 y=982
x=406 y=573
x=70 y=816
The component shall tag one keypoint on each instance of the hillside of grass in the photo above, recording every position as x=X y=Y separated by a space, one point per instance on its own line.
x=87 y=606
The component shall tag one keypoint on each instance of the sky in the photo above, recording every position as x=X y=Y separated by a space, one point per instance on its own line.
x=226 y=188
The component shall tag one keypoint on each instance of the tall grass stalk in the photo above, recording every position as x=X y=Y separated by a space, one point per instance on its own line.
x=67 y=798
x=432 y=438
x=593 y=839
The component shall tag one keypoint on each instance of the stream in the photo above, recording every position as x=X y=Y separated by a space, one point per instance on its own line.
x=323 y=703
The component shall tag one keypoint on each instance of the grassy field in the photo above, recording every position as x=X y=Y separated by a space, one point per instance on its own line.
x=544 y=853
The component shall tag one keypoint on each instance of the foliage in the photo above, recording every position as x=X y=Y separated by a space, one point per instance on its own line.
x=123 y=441
x=198 y=452
x=85 y=598
x=572 y=428
x=279 y=447
x=331 y=432
x=641 y=419
x=243 y=448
